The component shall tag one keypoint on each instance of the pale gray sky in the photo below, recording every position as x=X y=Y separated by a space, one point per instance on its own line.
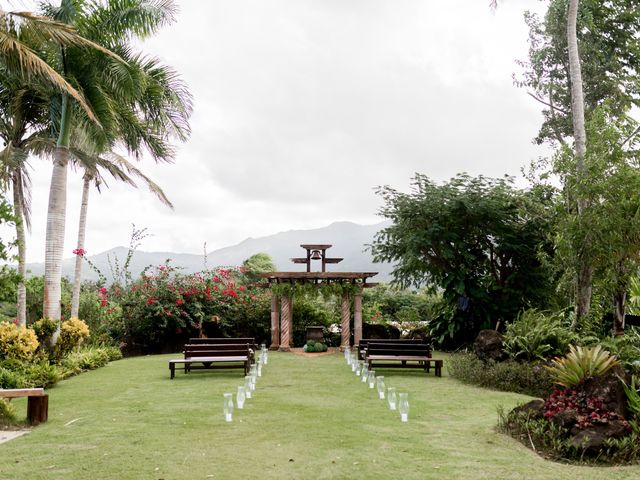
x=303 y=107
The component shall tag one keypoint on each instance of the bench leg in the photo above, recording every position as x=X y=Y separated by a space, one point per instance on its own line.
x=38 y=409
x=438 y=368
x=172 y=367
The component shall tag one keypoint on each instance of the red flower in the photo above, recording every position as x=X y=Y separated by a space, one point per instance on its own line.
x=151 y=300
x=80 y=252
x=179 y=301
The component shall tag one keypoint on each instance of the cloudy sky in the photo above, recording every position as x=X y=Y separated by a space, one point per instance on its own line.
x=303 y=107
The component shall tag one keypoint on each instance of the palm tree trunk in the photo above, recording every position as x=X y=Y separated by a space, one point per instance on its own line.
x=82 y=227
x=54 y=244
x=22 y=252
x=56 y=216
x=585 y=270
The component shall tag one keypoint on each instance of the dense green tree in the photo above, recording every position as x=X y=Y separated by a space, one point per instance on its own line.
x=257 y=264
x=8 y=278
x=477 y=239
x=611 y=185
x=601 y=39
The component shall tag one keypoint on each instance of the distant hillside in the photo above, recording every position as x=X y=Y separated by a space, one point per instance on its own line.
x=348 y=239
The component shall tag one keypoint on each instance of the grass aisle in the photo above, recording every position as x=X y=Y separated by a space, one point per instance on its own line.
x=310 y=418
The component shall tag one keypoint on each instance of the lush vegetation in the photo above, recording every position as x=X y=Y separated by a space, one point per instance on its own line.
x=478 y=240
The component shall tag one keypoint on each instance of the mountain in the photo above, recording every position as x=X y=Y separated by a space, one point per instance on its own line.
x=349 y=241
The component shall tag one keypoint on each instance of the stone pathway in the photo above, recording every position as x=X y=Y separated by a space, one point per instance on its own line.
x=6 y=435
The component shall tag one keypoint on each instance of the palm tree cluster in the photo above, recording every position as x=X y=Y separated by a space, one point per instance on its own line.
x=74 y=91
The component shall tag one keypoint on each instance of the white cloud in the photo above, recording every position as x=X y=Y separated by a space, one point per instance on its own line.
x=302 y=107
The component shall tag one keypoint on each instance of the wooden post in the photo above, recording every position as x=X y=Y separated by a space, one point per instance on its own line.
x=275 y=322
x=38 y=409
x=290 y=321
x=357 y=318
x=346 y=322
x=285 y=323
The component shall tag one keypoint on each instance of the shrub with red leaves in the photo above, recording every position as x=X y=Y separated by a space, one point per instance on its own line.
x=588 y=410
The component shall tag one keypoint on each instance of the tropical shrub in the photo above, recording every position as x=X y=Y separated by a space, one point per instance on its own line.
x=529 y=378
x=588 y=410
x=40 y=374
x=17 y=342
x=535 y=335
x=312 y=346
x=579 y=364
x=82 y=360
x=73 y=333
x=625 y=347
x=28 y=374
x=7 y=413
x=44 y=329
x=632 y=391
x=9 y=378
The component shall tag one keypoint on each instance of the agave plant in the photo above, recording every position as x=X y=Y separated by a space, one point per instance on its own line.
x=579 y=364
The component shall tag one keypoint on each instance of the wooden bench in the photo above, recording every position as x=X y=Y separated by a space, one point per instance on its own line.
x=37 y=402
x=213 y=357
x=385 y=355
x=362 y=346
x=226 y=341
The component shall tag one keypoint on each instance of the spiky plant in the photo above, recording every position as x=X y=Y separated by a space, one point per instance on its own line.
x=579 y=364
x=633 y=395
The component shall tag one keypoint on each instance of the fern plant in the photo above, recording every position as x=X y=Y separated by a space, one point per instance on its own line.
x=537 y=335
x=579 y=364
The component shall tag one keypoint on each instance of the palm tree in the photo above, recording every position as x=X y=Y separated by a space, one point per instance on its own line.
x=106 y=84
x=26 y=83
x=158 y=110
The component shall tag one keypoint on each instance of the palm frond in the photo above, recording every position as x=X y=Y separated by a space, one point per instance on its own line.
x=127 y=19
x=133 y=170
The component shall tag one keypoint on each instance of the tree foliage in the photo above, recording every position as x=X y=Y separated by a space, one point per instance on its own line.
x=477 y=239
x=256 y=264
x=609 y=39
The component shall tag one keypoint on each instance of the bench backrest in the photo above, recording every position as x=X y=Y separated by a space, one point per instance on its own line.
x=398 y=349
x=365 y=341
x=227 y=350
x=224 y=341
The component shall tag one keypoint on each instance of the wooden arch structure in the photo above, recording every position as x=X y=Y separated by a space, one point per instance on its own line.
x=282 y=304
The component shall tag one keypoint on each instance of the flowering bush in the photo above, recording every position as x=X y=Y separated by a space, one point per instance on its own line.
x=164 y=307
x=17 y=343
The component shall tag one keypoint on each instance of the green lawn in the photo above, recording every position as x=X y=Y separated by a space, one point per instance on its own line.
x=310 y=418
